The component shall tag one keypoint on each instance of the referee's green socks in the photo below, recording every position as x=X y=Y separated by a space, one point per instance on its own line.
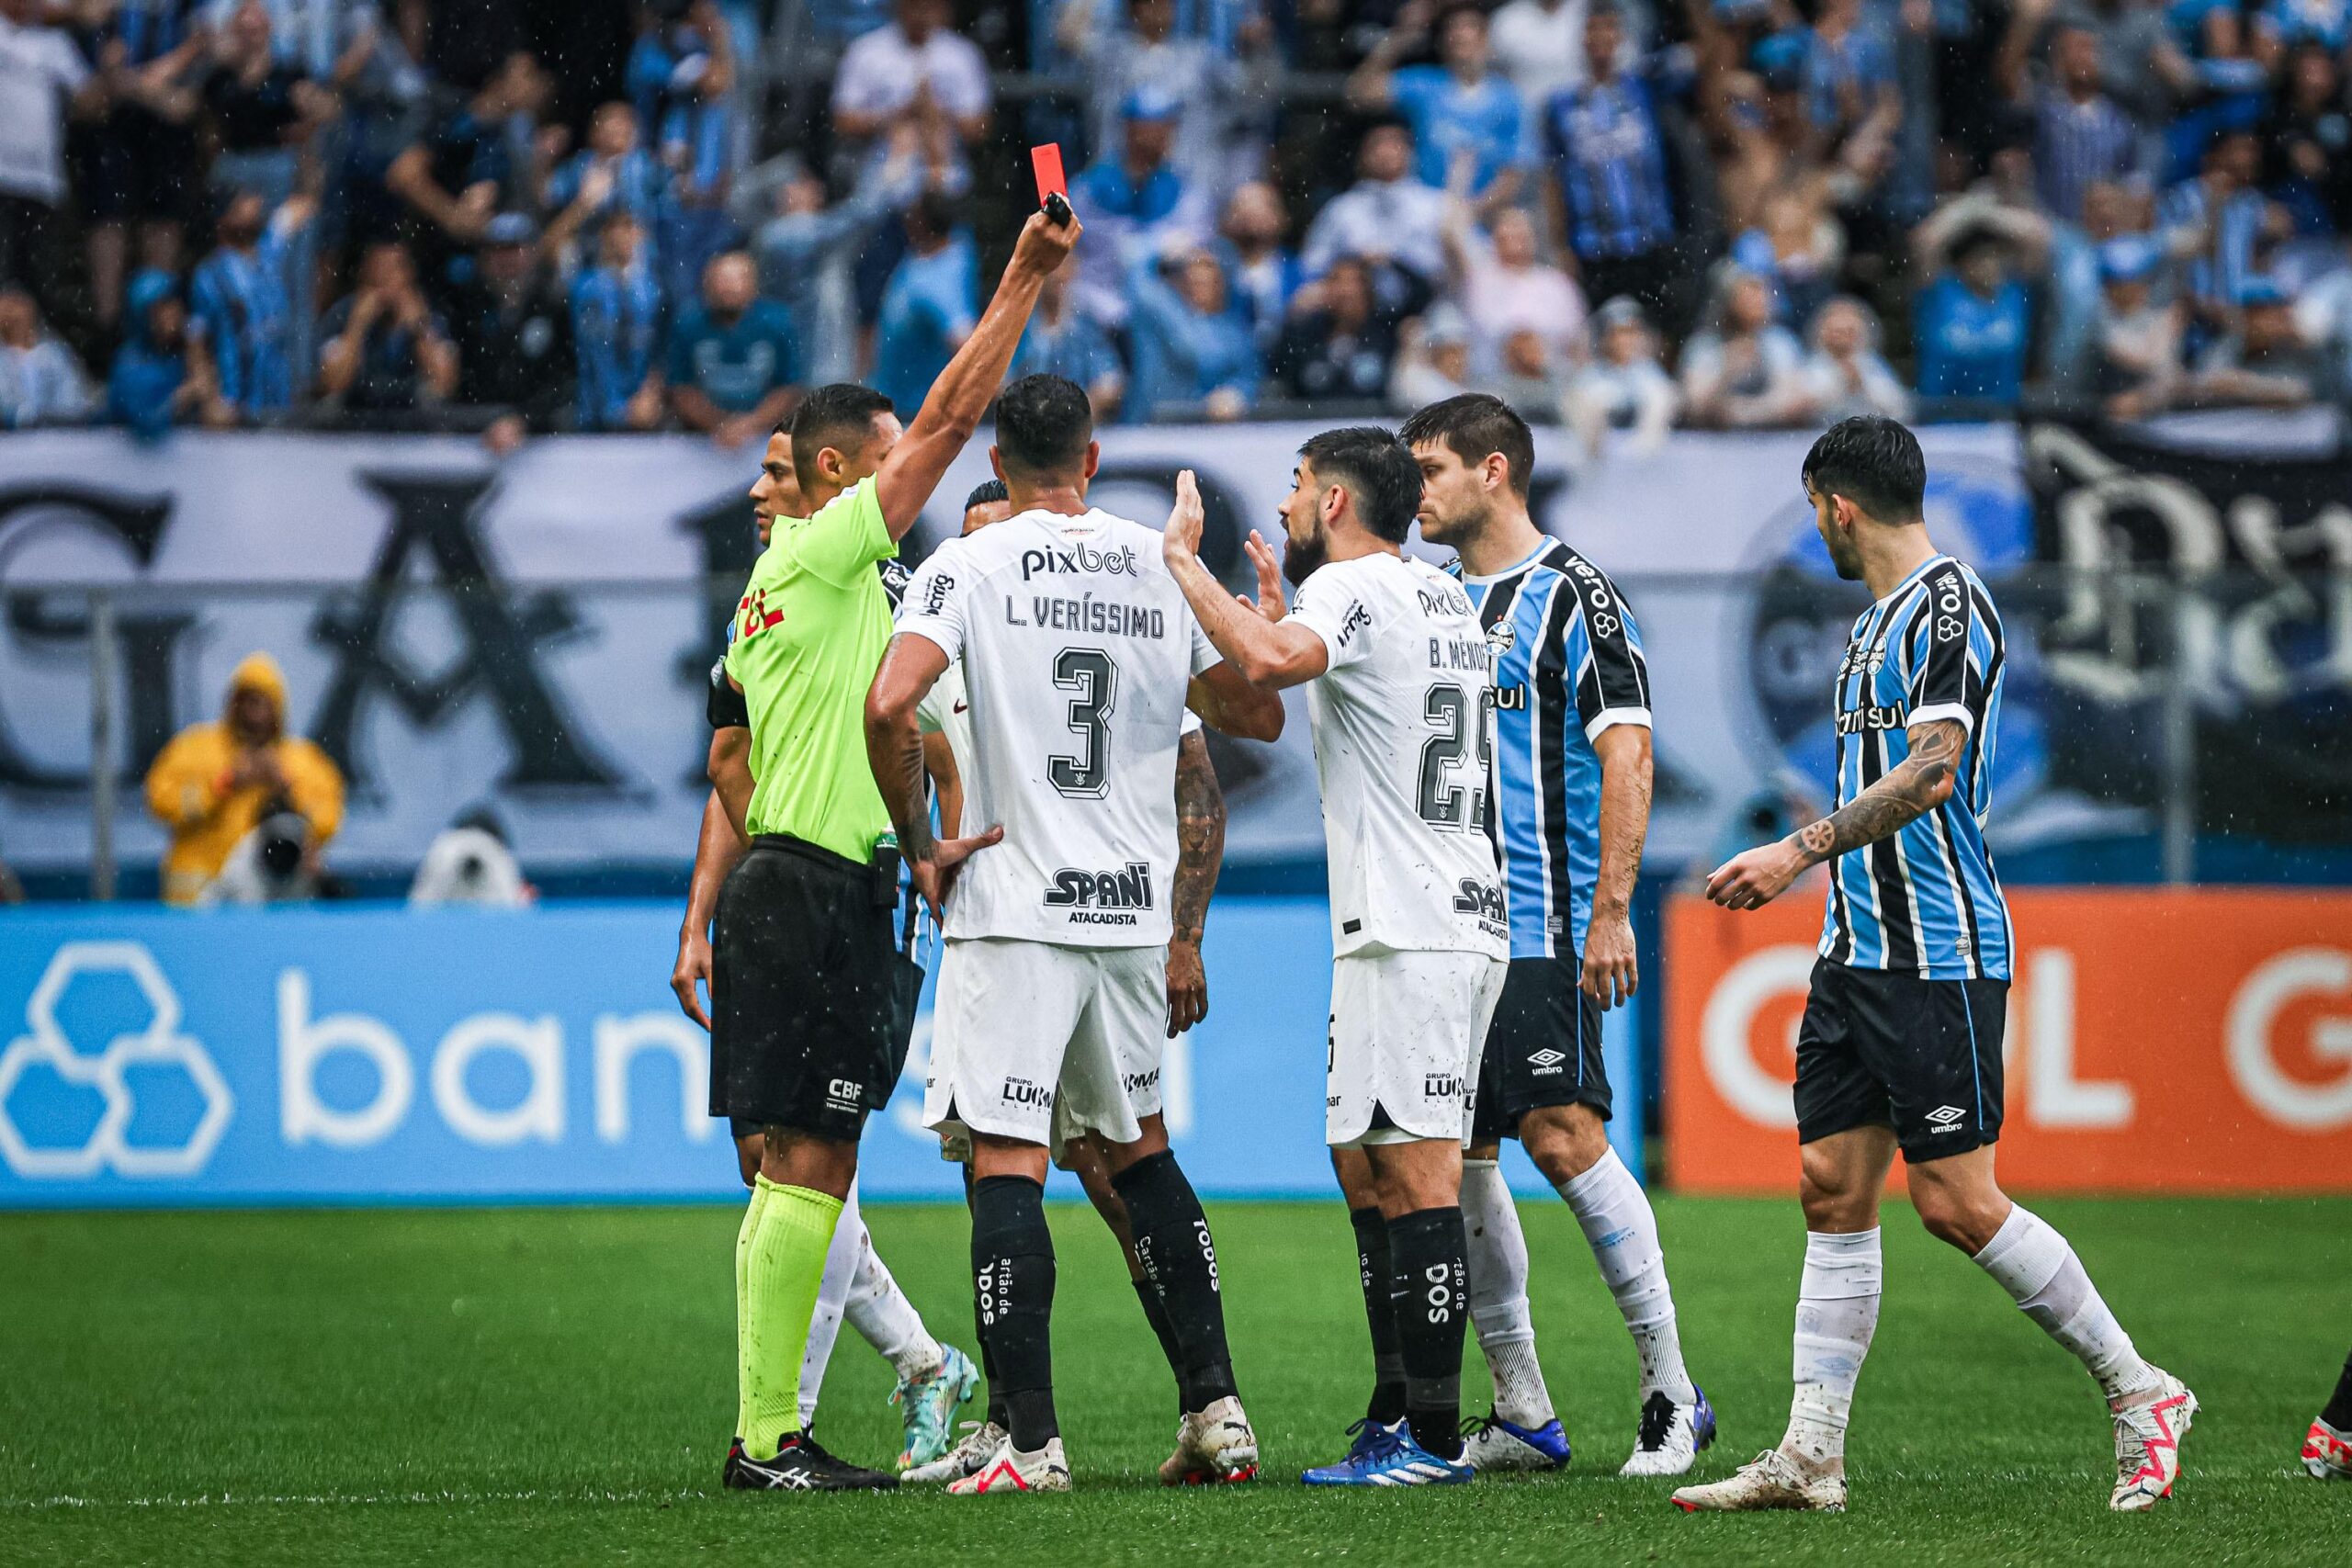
x=779 y=1262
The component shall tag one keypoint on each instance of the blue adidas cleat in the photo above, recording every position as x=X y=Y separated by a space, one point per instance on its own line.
x=1387 y=1456
x=927 y=1407
x=1489 y=1443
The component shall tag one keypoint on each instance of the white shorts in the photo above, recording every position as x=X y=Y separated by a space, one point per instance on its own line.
x=1041 y=1043
x=1407 y=1029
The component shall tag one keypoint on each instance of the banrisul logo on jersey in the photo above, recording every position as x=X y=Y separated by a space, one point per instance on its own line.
x=1101 y=897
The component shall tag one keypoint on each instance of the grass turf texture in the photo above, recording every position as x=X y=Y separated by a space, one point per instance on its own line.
x=557 y=1385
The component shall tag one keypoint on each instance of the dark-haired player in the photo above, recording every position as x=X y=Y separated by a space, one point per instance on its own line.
x=1901 y=1043
x=1396 y=667
x=1078 y=654
x=1571 y=807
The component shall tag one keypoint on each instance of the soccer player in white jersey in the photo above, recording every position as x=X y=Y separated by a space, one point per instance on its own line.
x=1901 y=1043
x=1400 y=696
x=1078 y=652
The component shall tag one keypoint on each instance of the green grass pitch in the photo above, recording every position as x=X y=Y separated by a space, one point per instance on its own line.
x=557 y=1385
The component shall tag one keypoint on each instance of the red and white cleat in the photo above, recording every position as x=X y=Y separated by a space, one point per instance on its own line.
x=1011 y=1470
x=1214 y=1447
x=2147 y=1444
x=2327 y=1453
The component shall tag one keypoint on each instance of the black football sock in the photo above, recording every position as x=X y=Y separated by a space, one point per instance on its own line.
x=1013 y=1266
x=1155 y=1313
x=1178 y=1256
x=1387 y=1405
x=2338 y=1412
x=988 y=1359
x=1427 y=1251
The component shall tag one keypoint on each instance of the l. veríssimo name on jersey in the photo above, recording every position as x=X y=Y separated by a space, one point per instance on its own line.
x=1076 y=649
x=1925 y=900
x=1568 y=665
x=1403 y=721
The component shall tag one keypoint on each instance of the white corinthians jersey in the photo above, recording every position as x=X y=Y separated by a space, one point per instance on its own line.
x=1077 y=649
x=1402 y=726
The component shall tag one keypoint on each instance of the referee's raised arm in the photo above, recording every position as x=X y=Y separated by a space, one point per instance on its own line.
x=961 y=395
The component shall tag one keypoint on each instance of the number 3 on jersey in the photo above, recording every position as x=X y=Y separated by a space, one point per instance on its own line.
x=1089 y=672
x=1459 y=723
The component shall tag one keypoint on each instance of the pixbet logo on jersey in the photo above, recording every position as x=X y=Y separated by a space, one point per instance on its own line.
x=1079 y=558
x=111 y=1071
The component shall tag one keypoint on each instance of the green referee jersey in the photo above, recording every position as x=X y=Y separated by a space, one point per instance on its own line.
x=809 y=637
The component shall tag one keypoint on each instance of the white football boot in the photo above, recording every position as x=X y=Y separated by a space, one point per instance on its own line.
x=1772 y=1479
x=1009 y=1470
x=2147 y=1444
x=1667 y=1440
x=1214 y=1447
x=2327 y=1453
x=981 y=1439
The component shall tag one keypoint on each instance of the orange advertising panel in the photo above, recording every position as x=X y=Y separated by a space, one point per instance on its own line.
x=2158 y=1040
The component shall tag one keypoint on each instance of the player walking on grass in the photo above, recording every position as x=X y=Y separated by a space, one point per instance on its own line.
x=2327 y=1447
x=944 y=717
x=1398 y=690
x=933 y=1378
x=1571 y=807
x=1901 y=1043
x=1077 y=653
x=806 y=1036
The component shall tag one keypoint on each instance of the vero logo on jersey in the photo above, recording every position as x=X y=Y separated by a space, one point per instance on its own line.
x=1101 y=897
x=1079 y=558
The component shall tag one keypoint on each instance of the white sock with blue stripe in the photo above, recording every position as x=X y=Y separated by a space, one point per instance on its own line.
x=2038 y=1267
x=1498 y=1294
x=1621 y=1229
x=1837 y=1314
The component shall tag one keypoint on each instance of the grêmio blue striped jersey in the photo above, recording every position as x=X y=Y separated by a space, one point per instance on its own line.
x=1568 y=665
x=1926 y=899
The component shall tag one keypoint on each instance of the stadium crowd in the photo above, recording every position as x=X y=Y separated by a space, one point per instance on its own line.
x=515 y=216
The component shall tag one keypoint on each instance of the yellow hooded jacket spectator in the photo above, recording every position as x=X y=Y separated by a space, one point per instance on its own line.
x=214 y=782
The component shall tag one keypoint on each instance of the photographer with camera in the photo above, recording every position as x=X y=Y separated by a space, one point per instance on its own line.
x=218 y=785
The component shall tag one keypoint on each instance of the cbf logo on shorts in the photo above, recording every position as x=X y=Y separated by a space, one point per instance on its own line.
x=113 y=1070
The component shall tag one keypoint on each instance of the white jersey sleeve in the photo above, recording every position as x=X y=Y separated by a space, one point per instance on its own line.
x=1076 y=649
x=1403 y=721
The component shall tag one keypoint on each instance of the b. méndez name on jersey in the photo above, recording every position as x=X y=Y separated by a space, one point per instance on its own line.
x=1402 y=722
x=1924 y=900
x=1077 y=649
x=1569 y=666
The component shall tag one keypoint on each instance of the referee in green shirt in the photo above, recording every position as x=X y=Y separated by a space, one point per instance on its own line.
x=804 y=1037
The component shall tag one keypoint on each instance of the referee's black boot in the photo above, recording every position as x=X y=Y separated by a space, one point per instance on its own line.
x=800 y=1465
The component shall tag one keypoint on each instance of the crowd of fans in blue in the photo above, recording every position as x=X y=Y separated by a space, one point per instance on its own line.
x=519 y=216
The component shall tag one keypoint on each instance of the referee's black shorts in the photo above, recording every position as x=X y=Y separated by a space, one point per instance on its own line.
x=806 y=991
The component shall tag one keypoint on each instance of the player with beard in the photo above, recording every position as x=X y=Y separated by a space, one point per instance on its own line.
x=933 y=1378
x=1399 y=689
x=1077 y=656
x=1570 y=809
x=1900 y=1048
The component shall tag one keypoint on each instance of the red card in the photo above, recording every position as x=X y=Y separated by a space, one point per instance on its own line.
x=1048 y=161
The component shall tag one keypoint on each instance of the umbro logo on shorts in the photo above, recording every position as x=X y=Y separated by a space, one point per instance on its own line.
x=1546 y=1060
x=1947 y=1118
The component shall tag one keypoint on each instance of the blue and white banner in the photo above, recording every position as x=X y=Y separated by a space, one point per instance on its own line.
x=376 y=1055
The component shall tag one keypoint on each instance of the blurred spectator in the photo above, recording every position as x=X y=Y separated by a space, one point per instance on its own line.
x=1060 y=340
x=384 y=349
x=1608 y=194
x=613 y=172
x=1800 y=247
x=1214 y=91
x=139 y=167
x=241 y=302
x=2137 y=365
x=806 y=249
x=1624 y=386
x=160 y=378
x=916 y=60
x=1340 y=341
x=1531 y=371
x=2215 y=222
x=930 y=306
x=616 y=331
x=1744 y=369
x=2141 y=66
x=1193 y=346
x=2265 y=363
x=1265 y=272
x=2307 y=140
x=2324 y=317
x=1539 y=44
x=42 y=76
x=213 y=782
x=1388 y=215
x=1458 y=108
x=2081 y=137
x=1433 y=358
x=469 y=862
x=1845 y=375
x=1974 y=324
x=513 y=328
x=1850 y=73
x=478 y=159
x=1133 y=202
x=40 y=381
x=691 y=112
x=1504 y=287
x=262 y=111
x=731 y=358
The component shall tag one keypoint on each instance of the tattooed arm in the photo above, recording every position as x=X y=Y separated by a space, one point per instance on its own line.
x=1611 y=973
x=1920 y=784
x=894 y=750
x=1199 y=837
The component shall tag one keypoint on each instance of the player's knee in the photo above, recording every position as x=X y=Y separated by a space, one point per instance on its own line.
x=1960 y=1215
x=1834 y=1199
x=747 y=1158
x=1564 y=1141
